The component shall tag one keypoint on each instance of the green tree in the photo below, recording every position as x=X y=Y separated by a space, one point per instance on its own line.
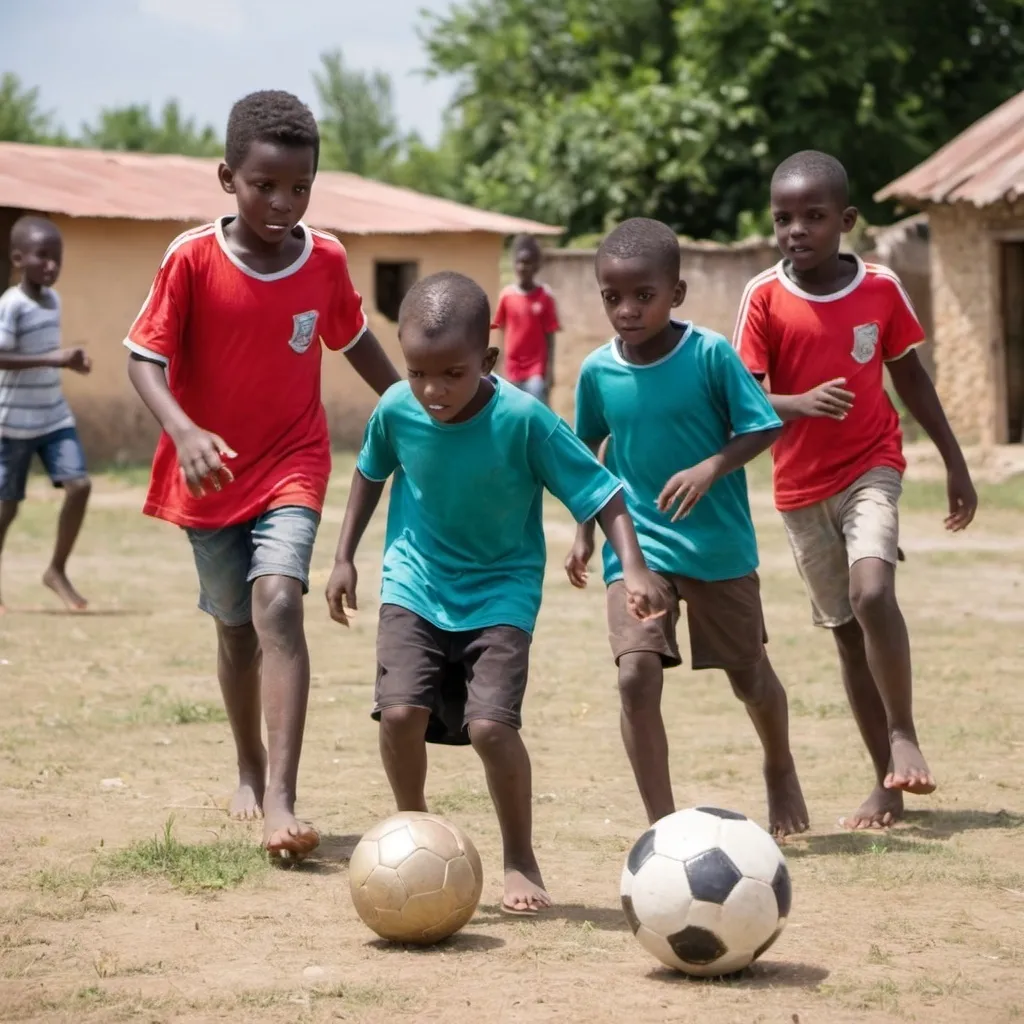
x=133 y=129
x=21 y=120
x=358 y=127
x=587 y=111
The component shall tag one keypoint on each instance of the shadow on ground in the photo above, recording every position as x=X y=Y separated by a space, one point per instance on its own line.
x=767 y=974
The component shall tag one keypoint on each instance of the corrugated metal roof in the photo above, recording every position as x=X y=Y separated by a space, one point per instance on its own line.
x=142 y=186
x=982 y=165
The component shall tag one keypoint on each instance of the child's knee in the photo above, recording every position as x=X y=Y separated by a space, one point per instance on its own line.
x=404 y=720
x=872 y=596
x=490 y=737
x=749 y=684
x=239 y=644
x=78 y=489
x=277 y=608
x=640 y=679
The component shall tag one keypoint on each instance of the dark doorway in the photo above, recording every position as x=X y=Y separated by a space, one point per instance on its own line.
x=391 y=283
x=1012 y=292
x=8 y=215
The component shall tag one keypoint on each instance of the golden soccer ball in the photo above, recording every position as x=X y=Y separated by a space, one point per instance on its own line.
x=415 y=878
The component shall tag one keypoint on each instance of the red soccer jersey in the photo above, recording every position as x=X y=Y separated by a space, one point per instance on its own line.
x=527 y=319
x=242 y=352
x=800 y=341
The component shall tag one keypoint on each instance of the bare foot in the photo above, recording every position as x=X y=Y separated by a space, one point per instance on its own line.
x=247 y=802
x=884 y=807
x=787 y=812
x=909 y=769
x=59 y=583
x=286 y=838
x=524 y=893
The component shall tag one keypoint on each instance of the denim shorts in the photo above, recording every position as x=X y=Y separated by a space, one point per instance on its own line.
x=60 y=452
x=277 y=543
x=536 y=386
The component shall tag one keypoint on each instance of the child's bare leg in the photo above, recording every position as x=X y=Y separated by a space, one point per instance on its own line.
x=238 y=670
x=641 y=677
x=509 y=780
x=873 y=598
x=277 y=616
x=403 y=749
x=765 y=700
x=883 y=806
x=69 y=525
x=8 y=512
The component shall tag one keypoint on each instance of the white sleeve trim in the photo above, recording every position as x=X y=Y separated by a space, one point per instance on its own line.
x=906 y=351
x=372 y=479
x=145 y=352
x=355 y=341
x=600 y=508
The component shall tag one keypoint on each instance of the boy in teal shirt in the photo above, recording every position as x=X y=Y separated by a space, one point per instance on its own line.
x=681 y=416
x=464 y=555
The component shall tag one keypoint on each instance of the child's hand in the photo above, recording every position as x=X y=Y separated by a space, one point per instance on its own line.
x=200 y=456
x=76 y=360
x=644 y=595
x=341 y=591
x=578 y=559
x=963 y=499
x=687 y=488
x=830 y=400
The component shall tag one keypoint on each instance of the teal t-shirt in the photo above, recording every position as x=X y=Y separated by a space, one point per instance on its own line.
x=465 y=537
x=667 y=416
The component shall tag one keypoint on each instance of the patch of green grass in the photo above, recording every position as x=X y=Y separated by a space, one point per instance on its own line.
x=457 y=800
x=191 y=866
x=186 y=712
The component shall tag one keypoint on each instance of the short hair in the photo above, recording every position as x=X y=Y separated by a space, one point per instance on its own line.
x=526 y=245
x=445 y=303
x=642 y=238
x=813 y=165
x=30 y=225
x=269 y=116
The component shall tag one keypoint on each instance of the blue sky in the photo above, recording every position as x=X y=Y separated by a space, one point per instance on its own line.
x=88 y=54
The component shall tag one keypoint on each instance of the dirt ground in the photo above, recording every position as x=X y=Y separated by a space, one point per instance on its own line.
x=111 y=731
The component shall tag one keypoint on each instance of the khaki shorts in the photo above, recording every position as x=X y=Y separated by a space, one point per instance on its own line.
x=725 y=620
x=461 y=677
x=861 y=522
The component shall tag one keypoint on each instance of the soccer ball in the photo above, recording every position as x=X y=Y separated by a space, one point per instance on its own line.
x=706 y=891
x=415 y=878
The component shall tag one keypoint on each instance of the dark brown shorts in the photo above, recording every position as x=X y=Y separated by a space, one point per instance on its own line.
x=460 y=676
x=725 y=619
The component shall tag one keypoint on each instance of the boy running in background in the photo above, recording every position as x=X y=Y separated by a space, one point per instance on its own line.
x=683 y=416
x=226 y=355
x=35 y=419
x=820 y=326
x=528 y=319
x=464 y=554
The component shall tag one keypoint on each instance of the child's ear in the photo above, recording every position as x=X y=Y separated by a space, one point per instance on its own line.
x=679 y=295
x=226 y=177
x=490 y=358
x=850 y=215
x=17 y=259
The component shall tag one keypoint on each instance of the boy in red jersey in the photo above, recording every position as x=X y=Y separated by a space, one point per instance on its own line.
x=820 y=326
x=226 y=355
x=528 y=319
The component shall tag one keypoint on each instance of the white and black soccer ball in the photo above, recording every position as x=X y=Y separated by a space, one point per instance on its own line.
x=706 y=891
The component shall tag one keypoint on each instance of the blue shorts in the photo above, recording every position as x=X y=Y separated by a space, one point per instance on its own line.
x=277 y=543
x=536 y=386
x=60 y=452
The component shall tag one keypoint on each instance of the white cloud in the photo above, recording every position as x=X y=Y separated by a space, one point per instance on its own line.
x=219 y=16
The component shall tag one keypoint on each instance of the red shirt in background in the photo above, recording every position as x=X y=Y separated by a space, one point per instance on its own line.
x=527 y=319
x=800 y=341
x=242 y=352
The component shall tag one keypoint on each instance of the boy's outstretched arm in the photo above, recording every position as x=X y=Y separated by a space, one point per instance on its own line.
x=200 y=454
x=688 y=486
x=641 y=584
x=63 y=359
x=368 y=358
x=363 y=498
x=917 y=392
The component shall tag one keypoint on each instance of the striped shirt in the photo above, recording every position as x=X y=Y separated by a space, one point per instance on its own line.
x=31 y=401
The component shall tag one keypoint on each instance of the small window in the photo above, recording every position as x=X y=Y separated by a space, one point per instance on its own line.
x=391 y=283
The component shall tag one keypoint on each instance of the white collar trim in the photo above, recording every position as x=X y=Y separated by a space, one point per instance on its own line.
x=278 y=275
x=617 y=354
x=791 y=286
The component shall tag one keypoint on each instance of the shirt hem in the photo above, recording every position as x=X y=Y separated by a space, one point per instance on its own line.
x=32 y=433
x=614 y=577
x=185 y=522
x=447 y=627
x=845 y=481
